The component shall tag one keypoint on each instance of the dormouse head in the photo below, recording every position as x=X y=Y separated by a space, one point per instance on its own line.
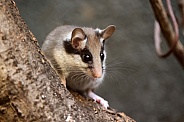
x=89 y=44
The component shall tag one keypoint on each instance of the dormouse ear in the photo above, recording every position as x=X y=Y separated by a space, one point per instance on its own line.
x=77 y=38
x=108 y=31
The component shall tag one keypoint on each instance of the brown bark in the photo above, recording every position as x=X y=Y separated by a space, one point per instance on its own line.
x=167 y=30
x=30 y=90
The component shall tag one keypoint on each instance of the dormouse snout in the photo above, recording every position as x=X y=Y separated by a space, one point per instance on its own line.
x=97 y=73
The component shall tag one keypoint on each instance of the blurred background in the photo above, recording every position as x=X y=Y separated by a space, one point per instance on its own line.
x=139 y=83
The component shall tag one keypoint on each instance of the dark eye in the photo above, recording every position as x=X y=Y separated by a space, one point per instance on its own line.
x=86 y=58
x=102 y=56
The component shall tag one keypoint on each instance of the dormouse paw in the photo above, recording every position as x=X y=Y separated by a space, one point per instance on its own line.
x=98 y=99
x=103 y=102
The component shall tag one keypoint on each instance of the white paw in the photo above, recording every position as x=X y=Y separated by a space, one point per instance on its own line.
x=98 y=99
x=103 y=102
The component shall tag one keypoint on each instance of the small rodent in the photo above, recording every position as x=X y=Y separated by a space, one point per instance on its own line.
x=78 y=55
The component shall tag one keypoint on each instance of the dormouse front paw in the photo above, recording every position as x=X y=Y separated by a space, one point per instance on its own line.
x=98 y=99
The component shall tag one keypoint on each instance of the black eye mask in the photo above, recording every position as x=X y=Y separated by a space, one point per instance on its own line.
x=86 y=56
x=69 y=49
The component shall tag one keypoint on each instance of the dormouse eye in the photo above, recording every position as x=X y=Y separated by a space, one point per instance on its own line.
x=102 y=56
x=86 y=58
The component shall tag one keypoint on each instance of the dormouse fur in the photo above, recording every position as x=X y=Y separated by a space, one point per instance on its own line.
x=78 y=55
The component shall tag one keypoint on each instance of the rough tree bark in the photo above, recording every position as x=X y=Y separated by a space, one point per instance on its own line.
x=30 y=90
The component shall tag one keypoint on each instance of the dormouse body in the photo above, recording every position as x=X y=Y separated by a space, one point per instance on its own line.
x=78 y=55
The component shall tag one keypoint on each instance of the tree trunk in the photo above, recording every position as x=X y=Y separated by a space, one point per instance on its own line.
x=30 y=90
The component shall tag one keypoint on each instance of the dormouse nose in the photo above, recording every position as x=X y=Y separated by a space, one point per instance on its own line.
x=97 y=73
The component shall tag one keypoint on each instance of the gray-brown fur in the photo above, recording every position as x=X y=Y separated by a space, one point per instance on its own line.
x=64 y=48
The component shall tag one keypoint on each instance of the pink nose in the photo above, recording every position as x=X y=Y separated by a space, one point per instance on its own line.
x=97 y=73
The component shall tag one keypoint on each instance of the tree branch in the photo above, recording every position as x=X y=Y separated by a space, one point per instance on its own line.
x=167 y=30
